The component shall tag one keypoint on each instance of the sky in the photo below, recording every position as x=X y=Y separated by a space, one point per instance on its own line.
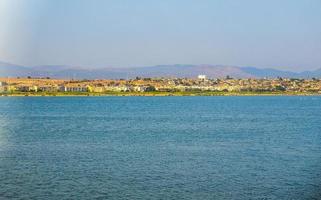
x=281 y=34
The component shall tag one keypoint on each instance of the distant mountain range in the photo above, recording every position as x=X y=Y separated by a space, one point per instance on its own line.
x=188 y=71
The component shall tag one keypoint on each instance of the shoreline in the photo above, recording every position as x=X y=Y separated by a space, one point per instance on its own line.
x=165 y=94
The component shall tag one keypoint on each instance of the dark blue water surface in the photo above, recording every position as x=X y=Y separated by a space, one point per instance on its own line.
x=160 y=148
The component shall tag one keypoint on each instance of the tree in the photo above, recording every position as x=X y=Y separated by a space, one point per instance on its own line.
x=150 y=89
x=280 y=88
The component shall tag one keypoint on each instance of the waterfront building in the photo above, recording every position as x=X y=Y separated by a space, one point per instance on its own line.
x=33 y=88
x=98 y=89
x=48 y=88
x=2 y=84
x=76 y=89
x=201 y=77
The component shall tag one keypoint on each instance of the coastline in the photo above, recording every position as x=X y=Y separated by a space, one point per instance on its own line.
x=151 y=94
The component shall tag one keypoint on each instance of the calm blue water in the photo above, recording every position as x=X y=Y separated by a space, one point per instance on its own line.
x=160 y=147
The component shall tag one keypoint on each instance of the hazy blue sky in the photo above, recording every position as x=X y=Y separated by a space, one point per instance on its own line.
x=283 y=34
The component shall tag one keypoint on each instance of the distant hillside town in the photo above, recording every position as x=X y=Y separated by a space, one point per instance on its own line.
x=200 y=83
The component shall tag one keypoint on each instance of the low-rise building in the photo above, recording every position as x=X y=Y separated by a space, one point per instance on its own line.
x=201 y=77
x=75 y=89
x=48 y=88
x=98 y=89
x=27 y=88
x=119 y=88
x=2 y=86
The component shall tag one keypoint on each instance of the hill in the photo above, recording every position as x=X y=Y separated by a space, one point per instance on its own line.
x=188 y=71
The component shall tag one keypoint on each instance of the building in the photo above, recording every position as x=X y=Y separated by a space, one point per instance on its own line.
x=2 y=84
x=73 y=89
x=48 y=88
x=10 y=88
x=201 y=77
x=1 y=87
x=119 y=88
x=98 y=89
x=139 y=88
x=26 y=88
x=33 y=88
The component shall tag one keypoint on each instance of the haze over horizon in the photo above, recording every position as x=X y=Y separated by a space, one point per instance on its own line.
x=284 y=35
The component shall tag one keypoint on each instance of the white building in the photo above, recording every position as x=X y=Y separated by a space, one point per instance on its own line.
x=1 y=86
x=201 y=77
x=73 y=89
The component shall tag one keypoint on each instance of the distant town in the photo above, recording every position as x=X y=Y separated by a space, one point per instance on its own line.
x=200 y=85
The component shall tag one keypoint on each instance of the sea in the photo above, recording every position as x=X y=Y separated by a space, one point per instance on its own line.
x=262 y=147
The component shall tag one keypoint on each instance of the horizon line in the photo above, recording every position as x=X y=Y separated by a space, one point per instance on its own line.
x=156 y=65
